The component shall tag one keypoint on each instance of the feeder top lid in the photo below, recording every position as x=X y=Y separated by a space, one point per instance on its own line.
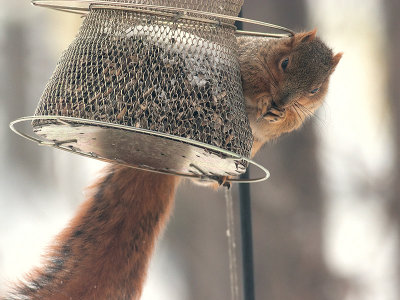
x=220 y=11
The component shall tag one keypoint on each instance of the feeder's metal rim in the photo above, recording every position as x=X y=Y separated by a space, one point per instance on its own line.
x=176 y=16
x=182 y=12
x=42 y=142
x=261 y=34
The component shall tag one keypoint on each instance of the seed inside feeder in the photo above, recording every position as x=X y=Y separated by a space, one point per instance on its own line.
x=182 y=80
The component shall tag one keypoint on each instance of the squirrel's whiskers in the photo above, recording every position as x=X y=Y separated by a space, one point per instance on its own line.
x=289 y=75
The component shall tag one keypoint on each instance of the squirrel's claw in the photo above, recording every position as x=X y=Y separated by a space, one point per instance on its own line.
x=227 y=185
x=223 y=181
x=274 y=114
x=276 y=111
x=220 y=181
x=263 y=105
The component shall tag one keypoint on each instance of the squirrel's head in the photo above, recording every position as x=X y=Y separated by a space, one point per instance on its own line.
x=301 y=65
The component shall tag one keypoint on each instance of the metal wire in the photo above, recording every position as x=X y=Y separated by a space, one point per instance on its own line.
x=153 y=67
x=154 y=72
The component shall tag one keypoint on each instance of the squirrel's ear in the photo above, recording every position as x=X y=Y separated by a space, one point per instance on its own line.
x=304 y=37
x=336 y=59
x=309 y=36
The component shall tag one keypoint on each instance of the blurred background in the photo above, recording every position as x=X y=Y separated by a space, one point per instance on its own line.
x=326 y=225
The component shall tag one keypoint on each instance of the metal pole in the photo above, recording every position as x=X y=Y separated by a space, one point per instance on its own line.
x=246 y=228
x=247 y=239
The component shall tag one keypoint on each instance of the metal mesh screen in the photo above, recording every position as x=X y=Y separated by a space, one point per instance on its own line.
x=154 y=72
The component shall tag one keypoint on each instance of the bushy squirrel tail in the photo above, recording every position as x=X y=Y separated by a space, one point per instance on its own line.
x=105 y=250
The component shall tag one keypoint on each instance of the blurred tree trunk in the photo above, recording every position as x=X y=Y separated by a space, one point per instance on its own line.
x=16 y=84
x=14 y=88
x=393 y=35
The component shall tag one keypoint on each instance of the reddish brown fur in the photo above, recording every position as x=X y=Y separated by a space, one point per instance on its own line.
x=104 y=252
x=279 y=101
x=266 y=85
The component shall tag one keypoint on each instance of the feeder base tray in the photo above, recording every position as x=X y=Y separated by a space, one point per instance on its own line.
x=139 y=148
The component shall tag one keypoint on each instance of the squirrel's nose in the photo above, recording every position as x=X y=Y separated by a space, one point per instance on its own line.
x=284 y=100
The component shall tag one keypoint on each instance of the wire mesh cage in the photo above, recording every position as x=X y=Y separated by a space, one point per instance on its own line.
x=152 y=86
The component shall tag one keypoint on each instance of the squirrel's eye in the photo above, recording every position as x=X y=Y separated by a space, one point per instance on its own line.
x=285 y=63
x=314 y=91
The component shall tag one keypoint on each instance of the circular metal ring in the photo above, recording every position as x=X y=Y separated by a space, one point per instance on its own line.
x=68 y=120
x=84 y=6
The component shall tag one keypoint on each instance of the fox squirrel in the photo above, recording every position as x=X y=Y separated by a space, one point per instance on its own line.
x=284 y=82
x=105 y=250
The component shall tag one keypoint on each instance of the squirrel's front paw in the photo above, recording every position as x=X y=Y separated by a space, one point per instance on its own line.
x=274 y=114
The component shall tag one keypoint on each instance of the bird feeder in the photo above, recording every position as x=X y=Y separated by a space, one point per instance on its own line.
x=150 y=84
